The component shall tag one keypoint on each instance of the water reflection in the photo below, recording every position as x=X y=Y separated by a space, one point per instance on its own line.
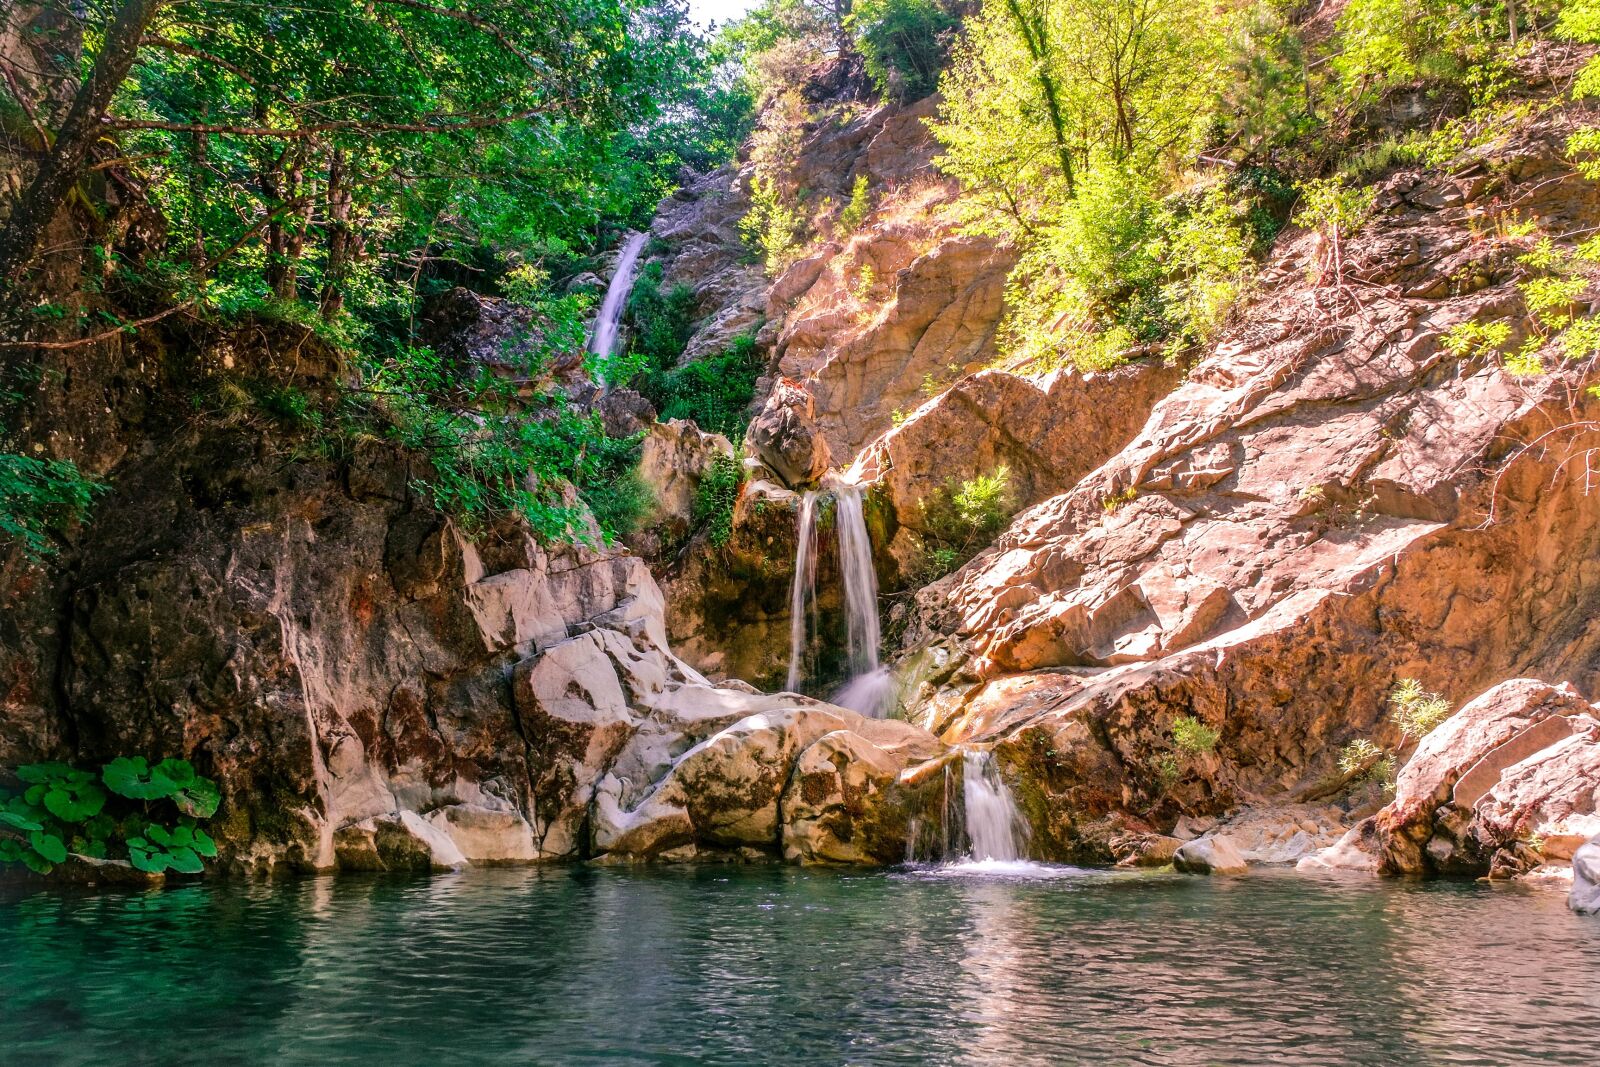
x=773 y=965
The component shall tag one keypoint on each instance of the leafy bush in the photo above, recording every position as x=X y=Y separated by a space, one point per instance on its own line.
x=715 y=498
x=859 y=207
x=662 y=321
x=1368 y=762
x=772 y=226
x=959 y=519
x=715 y=392
x=903 y=44
x=1192 y=736
x=39 y=497
x=64 y=810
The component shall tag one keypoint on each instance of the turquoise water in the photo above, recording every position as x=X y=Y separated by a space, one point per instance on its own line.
x=772 y=965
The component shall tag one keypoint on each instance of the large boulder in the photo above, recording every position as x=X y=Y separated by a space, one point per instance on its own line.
x=1488 y=735
x=1213 y=854
x=785 y=437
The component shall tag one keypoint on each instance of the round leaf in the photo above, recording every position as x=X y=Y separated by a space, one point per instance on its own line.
x=184 y=861
x=75 y=801
x=144 y=857
x=133 y=778
x=41 y=773
x=200 y=798
x=49 y=846
x=204 y=845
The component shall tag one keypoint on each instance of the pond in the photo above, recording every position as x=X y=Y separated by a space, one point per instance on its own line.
x=775 y=965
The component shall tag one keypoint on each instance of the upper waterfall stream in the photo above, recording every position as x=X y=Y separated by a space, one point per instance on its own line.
x=608 y=324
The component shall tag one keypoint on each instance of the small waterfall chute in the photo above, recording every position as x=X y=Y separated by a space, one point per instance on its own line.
x=995 y=827
x=870 y=689
x=608 y=324
x=803 y=592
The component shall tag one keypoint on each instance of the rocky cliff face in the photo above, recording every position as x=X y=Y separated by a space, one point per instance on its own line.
x=1331 y=500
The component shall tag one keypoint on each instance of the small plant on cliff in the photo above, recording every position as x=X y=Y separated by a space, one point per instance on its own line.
x=715 y=497
x=771 y=227
x=1336 y=211
x=1192 y=736
x=1115 y=502
x=959 y=519
x=122 y=811
x=855 y=212
x=1467 y=339
x=1415 y=710
x=38 y=498
x=1367 y=762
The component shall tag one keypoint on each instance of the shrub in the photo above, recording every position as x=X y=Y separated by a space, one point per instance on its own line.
x=1192 y=736
x=772 y=227
x=903 y=43
x=715 y=498
x=40 y=497
x=959 y=519
x=856 y=211
x=1467 y=339
x=1415 y=710
x=715 y=392
x=120 y=811
x=1368 y=762
x=662 y=321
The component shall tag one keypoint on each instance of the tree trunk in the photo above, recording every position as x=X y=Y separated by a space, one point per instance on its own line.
x=63 y=168
x=1037 y=40
x=340 y=237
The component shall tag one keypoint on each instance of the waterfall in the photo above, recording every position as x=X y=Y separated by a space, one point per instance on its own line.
x=870 y=689
x=860 y=581
x=994 y=825
x=609 y=322
x=804 y=589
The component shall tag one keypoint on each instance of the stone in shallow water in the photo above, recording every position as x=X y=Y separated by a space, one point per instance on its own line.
x=1209 y=855
x=1585 y=896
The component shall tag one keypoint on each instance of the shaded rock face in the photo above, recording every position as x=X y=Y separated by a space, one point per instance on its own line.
x=728 y=606
x=375 y=691
x=673 y=458
x=1330 y=501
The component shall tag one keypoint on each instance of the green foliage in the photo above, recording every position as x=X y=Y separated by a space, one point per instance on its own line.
x=1192 y=736
x=715 y=391
x=1368 y=762
x=1333 y=207
x=772 y=226
x=715 y=498
x=1415 y=710
x=1467 y=339
x=959 y=519
x=903 y=44
x=662 y=321
x=855 y=212
x=40 y=497
x=64 y=810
